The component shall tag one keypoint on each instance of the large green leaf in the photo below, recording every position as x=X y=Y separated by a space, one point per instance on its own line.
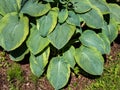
x=35 y=42
x=111 y=31
x=90 y=60
x=33 y=8
x=62 y=16
x=73 y=19
x=47 y=23
x=100 y=41
x=61 y=35
x=69 y=56
x=39 y=62
x=8 y=6
x=102 y=5
x=13 y=31
x=19 y=53
x=93 y=18
x=81 y=6
x=115 y=12
x=58 y=72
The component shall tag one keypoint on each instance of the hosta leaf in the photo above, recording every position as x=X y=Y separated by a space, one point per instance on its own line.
x=61 y=35
x=19 y=53
x=47 y=23
x=90 y=60
x=91 y=39
x=73 y=19
x=62 y=16
x=13 y=31
x=8 y=6
x=58 y=72
x=69 y=56
x=115 y=12
x=81 y=6
x=33 y=8
x=39 y=62
x=111 y=31
x=35 y=42
x=93 y=18
x=102 y=5
x=49 y=0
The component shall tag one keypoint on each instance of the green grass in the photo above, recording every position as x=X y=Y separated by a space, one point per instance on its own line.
x=110 y=80
x=15 y=76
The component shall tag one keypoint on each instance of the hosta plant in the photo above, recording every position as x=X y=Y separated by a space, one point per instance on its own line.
x=59 y=35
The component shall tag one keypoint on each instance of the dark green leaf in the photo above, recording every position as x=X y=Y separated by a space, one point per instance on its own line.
x=61 y=35
x=73 y=19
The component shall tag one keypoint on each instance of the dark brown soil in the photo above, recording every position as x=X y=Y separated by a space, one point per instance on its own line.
x=76 y=82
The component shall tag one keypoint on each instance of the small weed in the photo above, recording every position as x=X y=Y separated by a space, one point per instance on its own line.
x=33 y=78
x=14 y=75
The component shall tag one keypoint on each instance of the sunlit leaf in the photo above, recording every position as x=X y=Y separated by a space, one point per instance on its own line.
x=13 y=30
x=33 y=8
x=35 y=42
x=90 y=60
x=61 y=35
x=58 y=72
x=39 y=62
x=100 y=41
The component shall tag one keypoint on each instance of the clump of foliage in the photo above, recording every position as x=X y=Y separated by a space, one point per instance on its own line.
x=14 y=75
x=59 y=34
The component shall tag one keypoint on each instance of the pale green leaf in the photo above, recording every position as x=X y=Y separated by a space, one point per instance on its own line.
x=13 y=30
x=47 y=23
x=39 y=62
x=62 y=16
x=33 y=8
x=58 y=72
x=61 y=35
x=90 y=39
x=35 y=42
x=93 y=18
x=90 y=60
